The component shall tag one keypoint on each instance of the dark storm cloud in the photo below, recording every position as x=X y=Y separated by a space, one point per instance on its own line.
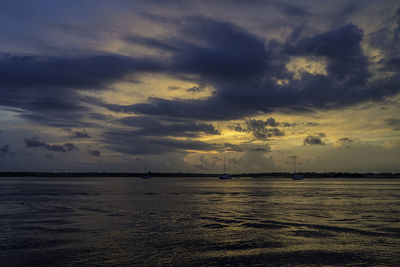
x=149 y=126
x=5 y=150
x=131 y=143
x=211 y=49
x=314 y=139
x=56 y=119
x=78 y=135
x=46 y=88
x=67 y=147
x=259 y=129
x=291 y=9
x=151 y=43
x=259 y=125
x=229 y=51
x=347 y=12
x=89 y=72
x=342 y=47
x=209 y=109
x=241 y=66
x=386 y=38
x=396 y=31
x=393 y=64
x=242 y=70
x=271 y=122
x=195 y=89
x=95 y=153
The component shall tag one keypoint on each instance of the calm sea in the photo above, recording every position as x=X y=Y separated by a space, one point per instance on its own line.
x=199 y=221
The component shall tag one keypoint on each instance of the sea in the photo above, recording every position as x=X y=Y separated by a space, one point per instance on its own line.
x=108 y=221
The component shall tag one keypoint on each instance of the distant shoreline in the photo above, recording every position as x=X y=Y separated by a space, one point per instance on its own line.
x=162 y=174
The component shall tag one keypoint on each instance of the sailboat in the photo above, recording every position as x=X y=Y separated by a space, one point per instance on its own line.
x=147 y=173
x=225 y=176
x=296 y=175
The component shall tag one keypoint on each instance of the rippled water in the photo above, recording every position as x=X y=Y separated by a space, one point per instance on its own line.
x=199 y=221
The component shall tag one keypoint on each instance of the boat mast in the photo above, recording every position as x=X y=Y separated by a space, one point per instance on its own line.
x=294 y=163
x=224 y=164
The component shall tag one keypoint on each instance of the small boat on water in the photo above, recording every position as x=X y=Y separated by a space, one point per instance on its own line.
x=225 y=176
x=147 y=173
x=296 y=176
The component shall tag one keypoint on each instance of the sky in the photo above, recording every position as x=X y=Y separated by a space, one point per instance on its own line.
x=96 y=85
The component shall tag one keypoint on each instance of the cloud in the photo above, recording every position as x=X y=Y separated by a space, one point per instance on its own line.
x=386 y=38
x=153 y=126
x=291 y=9
x=57 y=72
x=342 y=48
x=259 y=130
x=346 y=142
x=195 y=89
x=245 y=147
x=151 y=43
x=238 y=64
x=229 y=51
x=91 y=72
x=259 y=124
x=133 y=144
x=67 y=147
x=5 y=150
x=95 y=153
x=314 y=139
x=312 y=124
x=241 y=66
x=395 y=123
x=244 y=69
x=47 y=89
x=78 y=135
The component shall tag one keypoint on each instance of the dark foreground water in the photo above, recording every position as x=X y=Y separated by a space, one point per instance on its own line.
x=199 y=221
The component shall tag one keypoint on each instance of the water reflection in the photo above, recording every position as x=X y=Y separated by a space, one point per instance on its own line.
x=198 y=221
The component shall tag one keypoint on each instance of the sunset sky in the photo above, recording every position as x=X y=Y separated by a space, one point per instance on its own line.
x=107 y=85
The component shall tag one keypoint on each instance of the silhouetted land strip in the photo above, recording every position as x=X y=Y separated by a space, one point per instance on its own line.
x=162 y=174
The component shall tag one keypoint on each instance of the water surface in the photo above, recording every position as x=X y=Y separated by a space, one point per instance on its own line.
x=199 y=221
